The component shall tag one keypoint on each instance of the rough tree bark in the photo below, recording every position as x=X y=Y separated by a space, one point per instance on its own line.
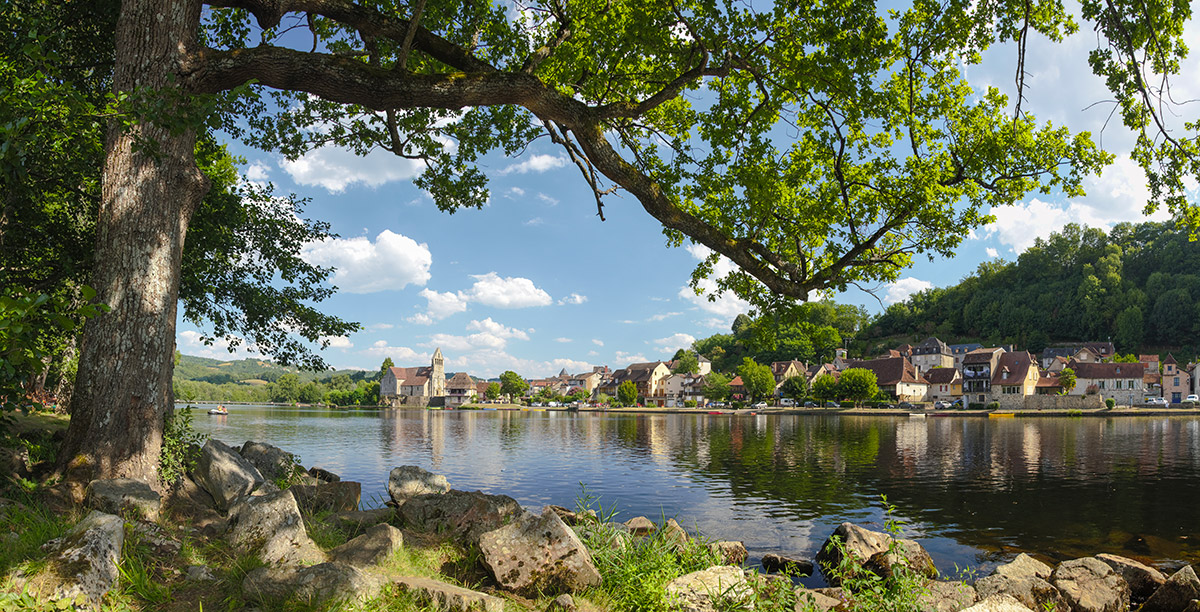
x=123 y=387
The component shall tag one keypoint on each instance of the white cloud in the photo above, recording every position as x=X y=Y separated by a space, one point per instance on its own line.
x=399 y=354
x=189 y=342
x=675 y=342
x=597 y=342
x=536 y=163
x=592 y=353
x=725 y=306
x=491 y=362
x=258 y=172
x=507 y=292
x=489 y=326
x=340 y=342
x=490 y=336
x=335 y=168
x=517 y=191
x=992 y=252
x=663 y=315
x=547 y=199
x=901 y=289
x=574 y=298
x=380 y=326
x=563 y=340
x=622 y=359
x=392 y=262
x=439 y=306
x=536 y=221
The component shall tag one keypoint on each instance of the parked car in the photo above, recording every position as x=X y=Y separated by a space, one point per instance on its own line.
x=1192 y=399
x=810 y=404
x=1156 y=401
x=905 y=406
x=831 y=404
x=787 y=402
x=942 y=405
x=759 y=405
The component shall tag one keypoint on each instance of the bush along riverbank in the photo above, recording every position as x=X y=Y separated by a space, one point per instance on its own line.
x=248 y=528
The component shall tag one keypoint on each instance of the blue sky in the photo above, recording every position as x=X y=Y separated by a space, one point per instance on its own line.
x=535 y=282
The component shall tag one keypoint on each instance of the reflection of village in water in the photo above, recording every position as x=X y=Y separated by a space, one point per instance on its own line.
x=973 y=489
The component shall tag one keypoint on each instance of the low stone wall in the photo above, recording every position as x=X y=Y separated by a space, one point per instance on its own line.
x=1063 y=402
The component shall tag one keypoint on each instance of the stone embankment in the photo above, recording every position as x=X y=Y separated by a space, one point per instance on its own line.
x=234 y=495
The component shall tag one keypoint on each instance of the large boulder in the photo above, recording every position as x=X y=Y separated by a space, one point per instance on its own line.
x=640 y=526
x=408 y=481
x=275 y=464
x=325 y=582
x=323 y=475
x=1024 y=566
x=226 y=475
x=703 y=591
x=772 y=563
x=1176 y=593
x=873 y=551
x=1143 y=580
x=464 y=515
x=370 y=548
x=808 y=599
x=447 y=597
x=85 y=560
x=538 y=554
x=271 y=526
x=940 y=596
x=731 y=552
x=335 y=496
x=998 y=603
x=124 y=496
x=1090 y=585
x=359 y=520
x=1033 y=592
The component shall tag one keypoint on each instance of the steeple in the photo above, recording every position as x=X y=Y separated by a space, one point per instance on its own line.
x=438 y=376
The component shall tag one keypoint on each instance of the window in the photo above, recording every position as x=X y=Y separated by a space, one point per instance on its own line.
x=1176 y=381
x=1118 y=384
x=1101 y=385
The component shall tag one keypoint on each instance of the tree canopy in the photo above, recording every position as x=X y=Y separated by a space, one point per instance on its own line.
x=757 y=379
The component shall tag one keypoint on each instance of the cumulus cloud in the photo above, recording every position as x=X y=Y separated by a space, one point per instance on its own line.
x=190 y=342
x=547 y=199
x=517 y=191
x=491 y=362
x=901 y=289
x=399 y=354
x=992 y=252
x=536 y=163
x=675 y=342
x=508 y=292
x=563 y=340
x=489 y=335
x=662 y=316
x=724 y=307
x=574 y=298
x=380 y=326
x=340 y=342
x=335 y=168
x=488 y=326
x=597 y=342
x=623 y=359
x=536 y=221
x=391 y=262
x=258 y=172
x=439 y=306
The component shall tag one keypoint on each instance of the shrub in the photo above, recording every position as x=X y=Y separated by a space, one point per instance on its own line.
x=1074 y=412
x=737 y=405
x=993 y=406
x=846 y=404
x=180 y=446
x=975 y=406
x=689 y=403
x=1111 y=403
x=1092 y=389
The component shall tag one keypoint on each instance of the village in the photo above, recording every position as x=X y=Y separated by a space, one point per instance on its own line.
x=932 y=373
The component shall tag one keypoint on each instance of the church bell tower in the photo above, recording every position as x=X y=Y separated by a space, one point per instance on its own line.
x=438 y=376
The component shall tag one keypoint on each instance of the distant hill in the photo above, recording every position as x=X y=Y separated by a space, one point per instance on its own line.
x=1137 y=285
x=251 y=371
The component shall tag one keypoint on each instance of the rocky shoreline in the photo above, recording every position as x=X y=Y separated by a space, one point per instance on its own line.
x=260 y=502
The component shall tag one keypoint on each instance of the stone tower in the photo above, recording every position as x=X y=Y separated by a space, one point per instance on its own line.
x=438 y=376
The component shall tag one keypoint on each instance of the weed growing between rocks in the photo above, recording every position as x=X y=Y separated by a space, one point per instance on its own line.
x=180 y=446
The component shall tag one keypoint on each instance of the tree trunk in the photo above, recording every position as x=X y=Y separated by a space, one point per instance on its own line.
x=123 y=388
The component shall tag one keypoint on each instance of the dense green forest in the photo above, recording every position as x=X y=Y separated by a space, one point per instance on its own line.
x=256 y=380
x=1137 y=286
x=811 y=331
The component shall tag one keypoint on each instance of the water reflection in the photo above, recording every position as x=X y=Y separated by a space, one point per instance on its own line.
x=976 y=490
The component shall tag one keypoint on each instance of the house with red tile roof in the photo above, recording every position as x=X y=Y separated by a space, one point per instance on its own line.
x=945 y=384
x=1014 y=378
x=897 y=377
x=1121 y=382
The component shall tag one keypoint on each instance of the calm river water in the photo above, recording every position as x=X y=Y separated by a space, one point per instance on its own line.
x=975 y=491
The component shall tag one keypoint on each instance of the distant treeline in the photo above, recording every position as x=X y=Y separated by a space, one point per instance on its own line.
x=253 y=380
x=1138 y=285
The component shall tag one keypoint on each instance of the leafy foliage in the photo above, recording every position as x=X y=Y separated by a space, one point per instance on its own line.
x=757 y=379
x=806 y=332
x=627 y=393
x=512 y=385
x=857 y=384
x=1139 y=281
x=1067 y=379
x=716 y=386
x=795 y=387
x=180 y=448
x=825 y=387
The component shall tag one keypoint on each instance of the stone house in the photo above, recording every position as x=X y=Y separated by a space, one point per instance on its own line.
x=683 y=387
x=647 y=377
x=1015 y=377
x=1121 y=382
x=897 y=377
x=945 y=384
x=1153 y=363
x=418 y=386
x=587 y=381
x=1176 y=383
x=959 y=351
x=460 y=389
x=1048 y=383
x=978 y=366
x=932 y=353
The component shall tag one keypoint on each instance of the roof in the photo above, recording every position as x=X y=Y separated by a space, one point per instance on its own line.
x=1170 y=359
x=1059 y=351
x=942 y=376
x=779 y=367
x=1015 y=365
x=411 y=376
x=961 y=349
x=460 y=379
x=981 y=355
x=1048 y=379
x=1108 y=370
x=890 y=370
x=1148 y=358
x=931 y=346
x=736 y=382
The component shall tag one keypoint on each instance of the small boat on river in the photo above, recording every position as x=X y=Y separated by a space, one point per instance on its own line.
x=218 y=410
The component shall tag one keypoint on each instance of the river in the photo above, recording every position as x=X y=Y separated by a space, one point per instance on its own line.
x=975 y=491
